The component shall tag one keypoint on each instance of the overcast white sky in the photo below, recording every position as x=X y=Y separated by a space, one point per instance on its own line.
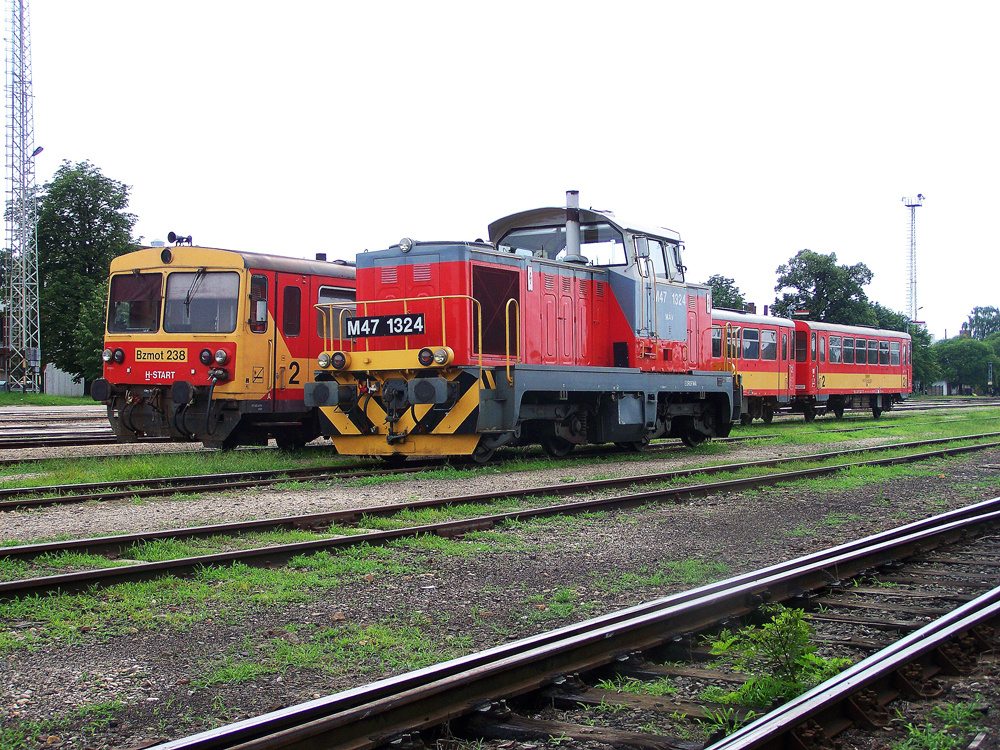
x=753 y=129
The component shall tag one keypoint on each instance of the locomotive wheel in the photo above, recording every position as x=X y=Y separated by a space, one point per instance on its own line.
x=693 y=438
x=482 y=454
x=636 y=446
x=555 y=446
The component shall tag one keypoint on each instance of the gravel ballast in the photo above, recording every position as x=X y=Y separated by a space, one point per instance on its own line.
x=157 y=670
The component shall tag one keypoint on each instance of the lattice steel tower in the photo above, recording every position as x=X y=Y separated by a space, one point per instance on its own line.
x=21 y=288
x=911 y=285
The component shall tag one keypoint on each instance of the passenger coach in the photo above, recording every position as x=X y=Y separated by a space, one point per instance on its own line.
x=842 y=367
x=216 y=346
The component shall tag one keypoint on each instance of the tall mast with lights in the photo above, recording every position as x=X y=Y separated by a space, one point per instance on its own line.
x=911 y=285
x=21 y=256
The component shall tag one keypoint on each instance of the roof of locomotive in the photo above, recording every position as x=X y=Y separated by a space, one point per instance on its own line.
x=857 y=330
x=553 y=216
x=149 y=258
x=736 y=316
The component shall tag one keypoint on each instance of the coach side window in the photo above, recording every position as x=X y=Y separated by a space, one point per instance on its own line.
x=848 y=351
x=835 y=350
x=894 y=354
x=258 y=303
x=812 y=348
x=751 y=343
x=769 y=345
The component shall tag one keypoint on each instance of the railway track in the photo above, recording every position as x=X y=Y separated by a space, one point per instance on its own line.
x=549 y=685
x=21 y=430
x=131 y=570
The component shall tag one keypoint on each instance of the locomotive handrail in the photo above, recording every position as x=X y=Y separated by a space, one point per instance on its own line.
x=327 y=309
x=517 y=313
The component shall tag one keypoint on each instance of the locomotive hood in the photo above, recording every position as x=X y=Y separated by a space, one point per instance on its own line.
x=554 y=216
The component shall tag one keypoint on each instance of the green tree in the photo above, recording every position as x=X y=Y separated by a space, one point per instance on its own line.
x=725 y=293
x=830 y=293
x=982 y=323
x=82 y=225
x=965 y=361
x=925 y=365
x=88 y=336
x=889 y=319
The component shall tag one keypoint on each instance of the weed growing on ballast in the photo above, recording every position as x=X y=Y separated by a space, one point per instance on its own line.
x=779 y=656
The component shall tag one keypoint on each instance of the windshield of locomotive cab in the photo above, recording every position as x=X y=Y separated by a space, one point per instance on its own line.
x=201 y=302
x=600 y=244
x=134 y=302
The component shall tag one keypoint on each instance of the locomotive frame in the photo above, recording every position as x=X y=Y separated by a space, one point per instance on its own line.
x=523 y=340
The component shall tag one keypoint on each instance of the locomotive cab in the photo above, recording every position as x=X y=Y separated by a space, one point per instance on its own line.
x=569 y=327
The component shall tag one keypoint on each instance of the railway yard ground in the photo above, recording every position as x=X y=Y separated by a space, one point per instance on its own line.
x=134 y=664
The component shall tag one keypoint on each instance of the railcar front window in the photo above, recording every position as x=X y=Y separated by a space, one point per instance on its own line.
x=716 y=343
x=801 y=346
x=331 y=295
x=600 y=244
x=134 y=302
x=201 y=302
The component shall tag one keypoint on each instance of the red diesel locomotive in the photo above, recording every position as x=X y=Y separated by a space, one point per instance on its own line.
x=811 y=368
x=215 y=346
x=568 y=327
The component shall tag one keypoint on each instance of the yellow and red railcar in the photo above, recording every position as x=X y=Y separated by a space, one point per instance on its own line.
x=761 y=348
x=568 y=327
x=212 y=345
x=840 y=367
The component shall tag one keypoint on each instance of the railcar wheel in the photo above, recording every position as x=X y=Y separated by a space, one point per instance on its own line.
x=876 y=411
x=746 y=420
x=693 y=438
x=393 y=459
x=768 y=414
x=809 y=412
x=838 y=412
x=290 y=441
x=555 y=446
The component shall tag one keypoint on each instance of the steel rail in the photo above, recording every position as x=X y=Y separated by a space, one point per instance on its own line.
x=368 y=716
x=283 y=552
x=112 y=545
x=163 y=486
x=767 y=731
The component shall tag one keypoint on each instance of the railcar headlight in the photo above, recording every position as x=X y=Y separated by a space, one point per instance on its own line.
x=205 y=357
x=340 y=360
x=323 y=359
x=425 y=357
x=119 y=356
x=442 y=356
x=221 y=357
x=106 y=355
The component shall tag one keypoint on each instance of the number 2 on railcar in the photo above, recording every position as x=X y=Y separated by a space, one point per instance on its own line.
x=216 y=346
